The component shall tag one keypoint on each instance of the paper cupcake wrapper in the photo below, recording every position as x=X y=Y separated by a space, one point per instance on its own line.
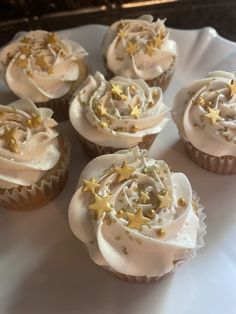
x=220 y=165
x=94 y=150
x=164 y=79
x=60 y=106
x=191 y=253
x=25 y=198
x=161 y=81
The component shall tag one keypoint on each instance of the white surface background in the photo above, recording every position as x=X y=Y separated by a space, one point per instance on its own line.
x=45 y=270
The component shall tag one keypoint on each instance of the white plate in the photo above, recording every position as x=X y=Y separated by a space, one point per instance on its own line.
x=44 y=269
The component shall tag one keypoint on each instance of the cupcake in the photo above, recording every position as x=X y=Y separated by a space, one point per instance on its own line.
x=205 y=114
x=140 y=49
x=43 y=68
x=34 y=156
x=136 y=218
x=116 y=114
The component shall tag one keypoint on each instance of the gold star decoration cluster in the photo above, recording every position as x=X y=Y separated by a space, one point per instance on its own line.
x=28 y=49
x=101 y=204
x=10 y=139
x=155 y=43
x=213 y=114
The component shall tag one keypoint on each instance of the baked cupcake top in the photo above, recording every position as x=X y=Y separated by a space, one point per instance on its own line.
x=139 y=48
x=40 y=66
x=117 y=113
x=133 y=214
x=28 y=143
x=205 y=113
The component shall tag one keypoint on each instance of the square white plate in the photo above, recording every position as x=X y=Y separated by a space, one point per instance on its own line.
x=44 y=269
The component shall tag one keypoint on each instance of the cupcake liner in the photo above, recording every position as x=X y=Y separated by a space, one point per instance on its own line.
x=161 y=81
x=220 y=165
x=94 y=150
x=60 y=106
x=189 y=253
x=25 y=198
x=164 y=79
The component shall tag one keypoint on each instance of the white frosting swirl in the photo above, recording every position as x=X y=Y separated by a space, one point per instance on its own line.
x=28 y=143
x=139 y=48
x=117 y=113
x=40 y=66
x=114 y=238
x=205 y=113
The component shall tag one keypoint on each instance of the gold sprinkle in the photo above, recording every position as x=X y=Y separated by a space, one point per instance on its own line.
x=35 y=121
x=149 y=49
x=151 y=213
x=135 y=111
x=22 y=63
x=213 y=115
x=124 y=172
x=26 y=40
x=131 y=48
x=232 y=88
x=101 y=204
x=25 y=50
x=133 y=128
x=182 y=202
x=144 y=197
x=160 y=233
x=120 y=214
x=125 y=251
x=91 y=185
x=139 y=241
x=117 y=92
x=130 y=237
x=137 y=220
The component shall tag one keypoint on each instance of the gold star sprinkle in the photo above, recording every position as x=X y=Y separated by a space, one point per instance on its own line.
x=121 y=34
x=103 y=124
x=100 y=205
x=25 y=40
x=52 y=39
x=232 y=88
x=131 y=48
x=25 y=50
x=165 y=200
x=135 y=111
x=9 y=138
x=35 y=121
x=91 y=185
x=144 y=197
x=158 y=41
x=213 y=115
x=182 y=202
x=201 y=101
x=160 y=233
x=124 y=172
x=101 y=109
x=40 y=61
x=149 y=49
x=117 y=92
x=137 y=220
x=22 y=63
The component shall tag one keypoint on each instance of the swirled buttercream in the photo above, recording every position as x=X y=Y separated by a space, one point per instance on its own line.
x=139 y=48
x=28 y=143
x=133 y=214
x=205 y=113
x=117 y=113
x=40 y=66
